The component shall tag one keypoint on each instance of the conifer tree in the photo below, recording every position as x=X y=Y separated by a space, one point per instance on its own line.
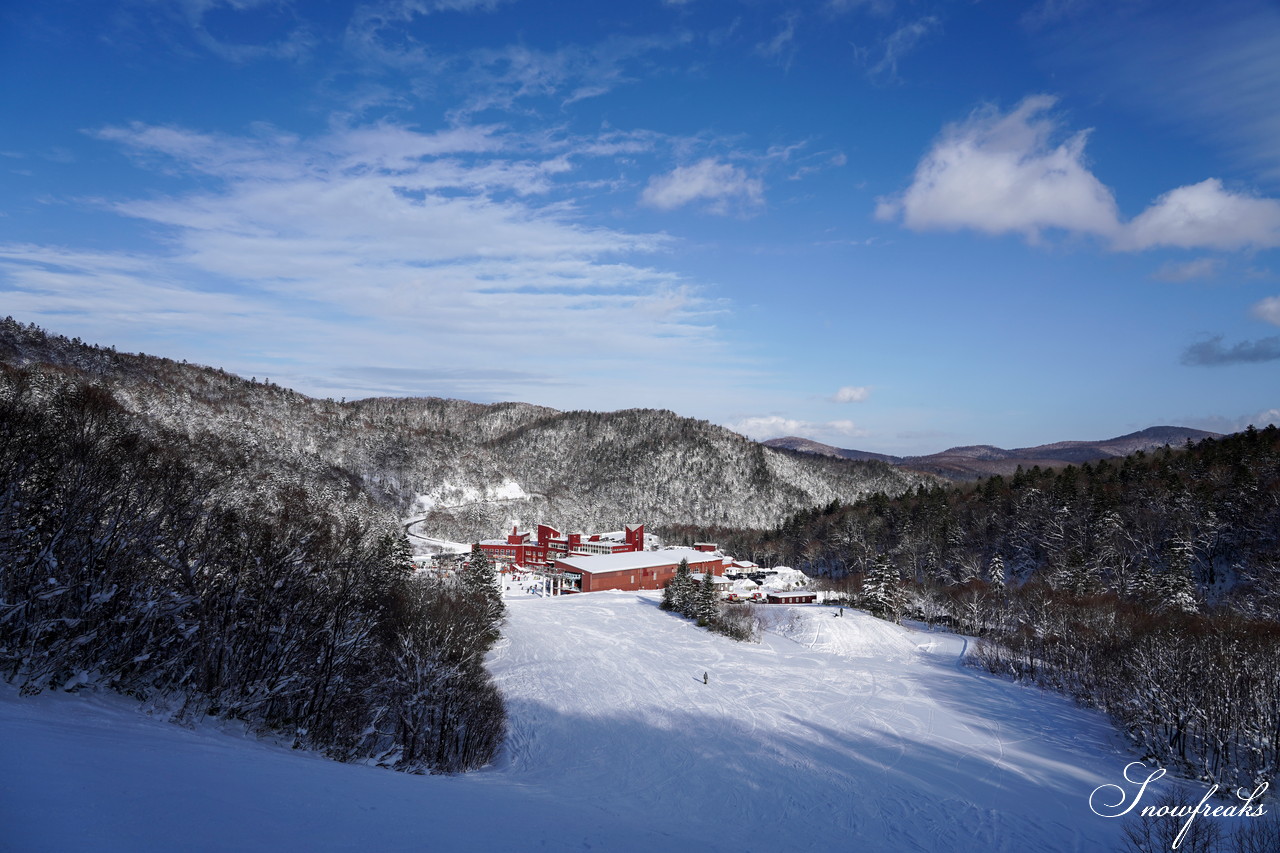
x=681 y=587
x=706 y=604
x=479 y=578
x=1175 y=588
x=995 y=571
x=882 y=593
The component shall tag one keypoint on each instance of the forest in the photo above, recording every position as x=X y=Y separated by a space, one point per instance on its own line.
x=225 y=589
x=1148 y=587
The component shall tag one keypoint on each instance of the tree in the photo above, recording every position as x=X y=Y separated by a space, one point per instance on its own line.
x=882 y=591
x=679 y=593
x=706 y=603
x=480 y=579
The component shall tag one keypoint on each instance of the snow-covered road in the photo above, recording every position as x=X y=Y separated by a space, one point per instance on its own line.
x=839 y=734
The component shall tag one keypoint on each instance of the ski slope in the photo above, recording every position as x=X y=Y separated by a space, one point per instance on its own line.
x=840 y=734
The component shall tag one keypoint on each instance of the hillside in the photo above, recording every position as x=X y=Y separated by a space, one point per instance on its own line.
x=829 y=735
x=976 y=461
x=471 y=469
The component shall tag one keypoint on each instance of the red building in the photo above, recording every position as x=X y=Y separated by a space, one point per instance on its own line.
x=634 y=570
x=523 y=549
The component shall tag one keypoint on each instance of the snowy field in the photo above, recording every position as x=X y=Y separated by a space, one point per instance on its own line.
x=840 y=734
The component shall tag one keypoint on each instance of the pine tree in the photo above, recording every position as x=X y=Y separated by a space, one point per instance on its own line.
x=705 y=601
x=1175 y=588
x=882 y=593
x=679 y=593
x=995 y=571
x=479 y=578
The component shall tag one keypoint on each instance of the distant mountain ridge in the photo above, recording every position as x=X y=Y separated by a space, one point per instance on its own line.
x=470 y=469
x=984 y=460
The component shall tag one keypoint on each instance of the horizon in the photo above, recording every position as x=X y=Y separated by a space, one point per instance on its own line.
x=877 y=225
x=344 y=401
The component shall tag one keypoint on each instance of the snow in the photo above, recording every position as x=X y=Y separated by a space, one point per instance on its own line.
x=784 y=580
x=633 y=560
x=832 y=734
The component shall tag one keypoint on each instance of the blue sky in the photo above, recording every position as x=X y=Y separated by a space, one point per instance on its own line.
x=896 y=226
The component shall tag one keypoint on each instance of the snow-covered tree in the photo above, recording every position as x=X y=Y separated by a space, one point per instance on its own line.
x=882 y=592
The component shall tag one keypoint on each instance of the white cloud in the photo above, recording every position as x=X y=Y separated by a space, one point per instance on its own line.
x=764 y=427
x=852 y=394
x=1205 y=215
x=1223 y=424
x=1003 y=173
x=1200 y=268
x=1268 y=309
x=722 y=186
x=381 y=247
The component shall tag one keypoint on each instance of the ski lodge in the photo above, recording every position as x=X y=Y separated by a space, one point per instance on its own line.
x=634 y=570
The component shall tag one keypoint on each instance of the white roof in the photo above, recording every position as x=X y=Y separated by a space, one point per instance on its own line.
x=634 y=560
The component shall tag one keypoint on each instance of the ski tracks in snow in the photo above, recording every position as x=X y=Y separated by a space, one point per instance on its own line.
x=830 y=729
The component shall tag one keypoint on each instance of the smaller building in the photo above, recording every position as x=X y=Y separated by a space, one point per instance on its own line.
x=634 y=570
x=791 y=597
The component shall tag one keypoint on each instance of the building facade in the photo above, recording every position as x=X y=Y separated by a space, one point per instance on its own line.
x=540 y=549
x=634 y=570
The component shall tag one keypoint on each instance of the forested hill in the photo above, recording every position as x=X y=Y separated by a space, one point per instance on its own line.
x=1209 y=511
x=471 y=468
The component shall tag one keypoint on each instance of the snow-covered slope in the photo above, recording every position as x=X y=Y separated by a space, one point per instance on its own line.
x=832 y=734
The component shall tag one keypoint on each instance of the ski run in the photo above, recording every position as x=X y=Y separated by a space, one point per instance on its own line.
x=834 y=733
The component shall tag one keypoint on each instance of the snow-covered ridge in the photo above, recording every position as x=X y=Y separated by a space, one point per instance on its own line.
x=475 y=468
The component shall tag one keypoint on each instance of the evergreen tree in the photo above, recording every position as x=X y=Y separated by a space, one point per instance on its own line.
x=995 y=572
x=1175 y=588
x=882 y=592
x=480 y=579
x=705 y=604
x=679 y=593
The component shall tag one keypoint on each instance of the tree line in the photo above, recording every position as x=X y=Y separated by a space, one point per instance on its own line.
x=177 y=572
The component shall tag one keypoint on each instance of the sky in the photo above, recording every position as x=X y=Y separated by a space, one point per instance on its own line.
x=886 y=225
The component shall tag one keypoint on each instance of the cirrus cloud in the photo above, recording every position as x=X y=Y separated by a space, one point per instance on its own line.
x=350 y=255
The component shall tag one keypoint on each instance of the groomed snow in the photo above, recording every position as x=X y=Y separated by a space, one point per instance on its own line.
x=840 y=734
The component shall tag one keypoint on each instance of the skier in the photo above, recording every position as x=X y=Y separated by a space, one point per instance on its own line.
x=705 y=679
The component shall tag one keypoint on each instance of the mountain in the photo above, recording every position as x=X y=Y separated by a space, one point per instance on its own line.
x=469 y=469
x=984 y=460
x=806 y=445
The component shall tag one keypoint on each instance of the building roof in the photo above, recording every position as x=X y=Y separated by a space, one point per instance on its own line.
x=634 y=560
